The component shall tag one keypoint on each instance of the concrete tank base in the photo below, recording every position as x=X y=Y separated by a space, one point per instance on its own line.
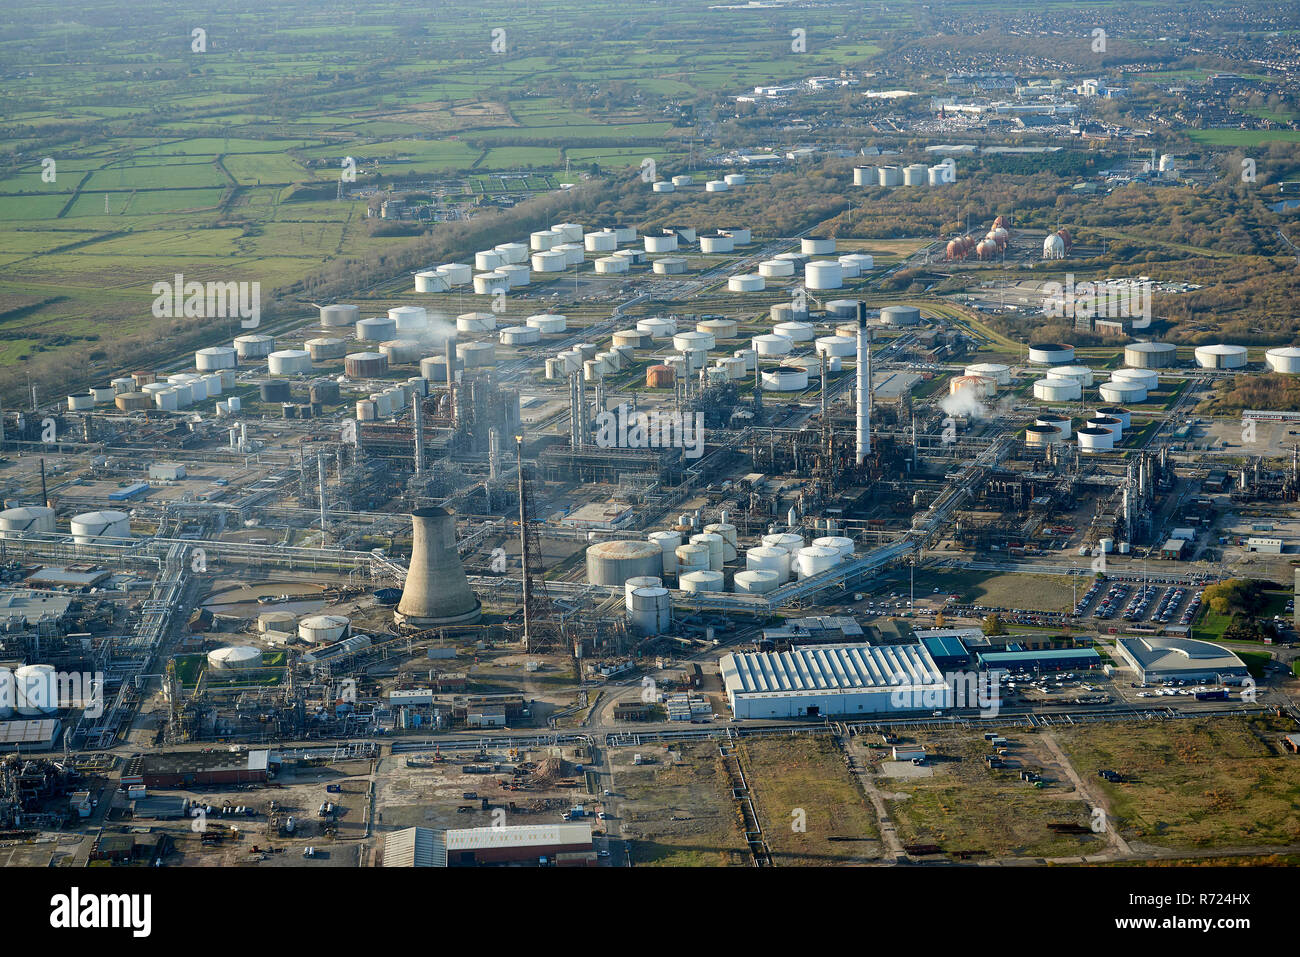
x=412 y=621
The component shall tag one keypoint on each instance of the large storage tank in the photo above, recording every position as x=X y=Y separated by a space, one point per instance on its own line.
x=716 y=186
x=693 y=341
x=476 y=322
x=613 y=563
x=1081 y=374
x=661 y=244
x=518 y=275
x=401 y=351
x=717 y=244
x=236 y=658
x=376 y=329
x=1149 y=379
x=649 y=610
x=772 y=345
x=889 y=176
x=982 y=385
x=520 y=336
x=490 y=283
x=815 y=559
x=1057 y=390
x=568 y=232
x=511 y=252
x=547 y=323
x=477 y=355
x=775 y=268
x=339 y=315
x=659 y=377
x=365 y=365
x=101 y=526
x=487 y=260
x=133 y=402
x=862 y=262
x=823 y=274
x=999 y=373
x=603 y=241
x=663 y=186
x=26 y=518
x=1117 y=412
x=1109 y=422
x=716 y=545
x=409 y=318
x=213 y=359
x=785 y=379
x=1122 y=391
x=254 y=347
x=427 y=280
x=550 y=260
x=1220 y=356
x=36 y=690
x=900 y=315
x=325 y=349
x=667 y=542
x=617 y=265
x=1037 y=436
x=289 y=362
x=770 y=558
x=1285 y=360
x=794 y=331
x=756 y=581
x=746 y=282
x=1095 y=440
x=915 y=174
x=701 y=581
x=1056 y=421
x=322 y=629
x=817 y=245
x=434 y=368
x=656 y=327
x=692 y=557
x=865 y=176
x=835 y=346
x=840 y=543
x=1150 y=355
x=1051 y=353
x=718 y=328
x=740 y=234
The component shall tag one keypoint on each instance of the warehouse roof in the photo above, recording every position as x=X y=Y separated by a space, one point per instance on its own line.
x=829 y=668
x=1181 y=654
x=41 y=731
x=191 y=762
x=1045 y=654
x=414 y=847
x=521 y=835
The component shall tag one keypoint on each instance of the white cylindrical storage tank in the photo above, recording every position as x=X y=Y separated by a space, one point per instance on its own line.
x=915 y=174
x=785 y=379
x=718 y=328
x=476 y=355
x=900 y=315
x=693 y=341
x=476 y=322
x=775 y=268
x=127 y=384
x=863 y=262
x=36 y=690
x=1117 y=412
x=1107 y=545
x=1095 y=440
x=610 y=265
x=544 y=239
x=758 y=581
x=630 y=339
x=237 y=658
x=741 y=234
x=716 y=546
x=326 y=348
x=823 y=274
x=772 y=345
x=790 y=541
x=701 y=581
x=613 y=563
x=1150 y=355
x=734 y=179
x=383 y=403
x=339 y=315
x=456 y=274
x=1057 y=390
x=486 y=260
x=663 y=186
x=624 y=234
x=649 y=610
x=814 y=559
x=750 y=356
x=661 y=243
x=81 y=402
x=376 y=329
x=656 y=327
x=838 y=542
x=667 y=542
x=1080 y=374
x=572 y=252
x=1051 y=353
x=429 y=280
x=669 y=266
x=593 y=370
x=409 y=318
x=1220 y=356
x=999 y=373
x=835 y=346
x=691 y=558
x=1107 y=422
x=551 y=260
x=490 y=283
x=511 y=253
x=516 y=274
x=733 y=367
x=520 y=336
x=604 y=241
x=865 y=176
x=367 y=410
x=572 y=360
x=817 y=245
x=849 y=268
x=889 y=176
x=1037 y=436
x=289 y=362
x=1284 y=359
x=169 y=399
x=26 y=518
x=717 y=244
x=1122 y=391
x=401 y=351
x=322 y=629
x=715 y=186
x=770 y=559
x=794 y=331
x=568 y=232
x=682 y=179
x=1056 y=421
x=547 y=323
x=254 y=346
x=211 y=359
x=1147 y=378
x=105 y=525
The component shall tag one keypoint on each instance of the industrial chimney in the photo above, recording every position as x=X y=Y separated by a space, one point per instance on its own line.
x=436 y=592
x=863 y=387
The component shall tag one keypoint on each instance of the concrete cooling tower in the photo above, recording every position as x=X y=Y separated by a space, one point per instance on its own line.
x=436 y=591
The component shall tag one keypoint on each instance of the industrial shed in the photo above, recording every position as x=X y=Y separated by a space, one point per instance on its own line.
x=1185 y=659
x=1044 y=659
x=844 y=679
x=561 y=845
x=190 y=768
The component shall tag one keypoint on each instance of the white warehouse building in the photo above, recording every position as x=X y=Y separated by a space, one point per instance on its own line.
x=836 y=679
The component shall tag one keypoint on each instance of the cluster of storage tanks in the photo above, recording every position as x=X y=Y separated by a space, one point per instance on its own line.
x=142 y=391
x=993 y=243
x=704 y=561
x=32 y=692
x=723 y=185
x=87 y=528
x=915 y=174
x=1101 y=431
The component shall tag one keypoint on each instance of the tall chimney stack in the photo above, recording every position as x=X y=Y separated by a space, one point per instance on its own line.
x=863 y=387
x=436 y=591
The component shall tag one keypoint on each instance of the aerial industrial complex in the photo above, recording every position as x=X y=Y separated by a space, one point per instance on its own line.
x=627 y=525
